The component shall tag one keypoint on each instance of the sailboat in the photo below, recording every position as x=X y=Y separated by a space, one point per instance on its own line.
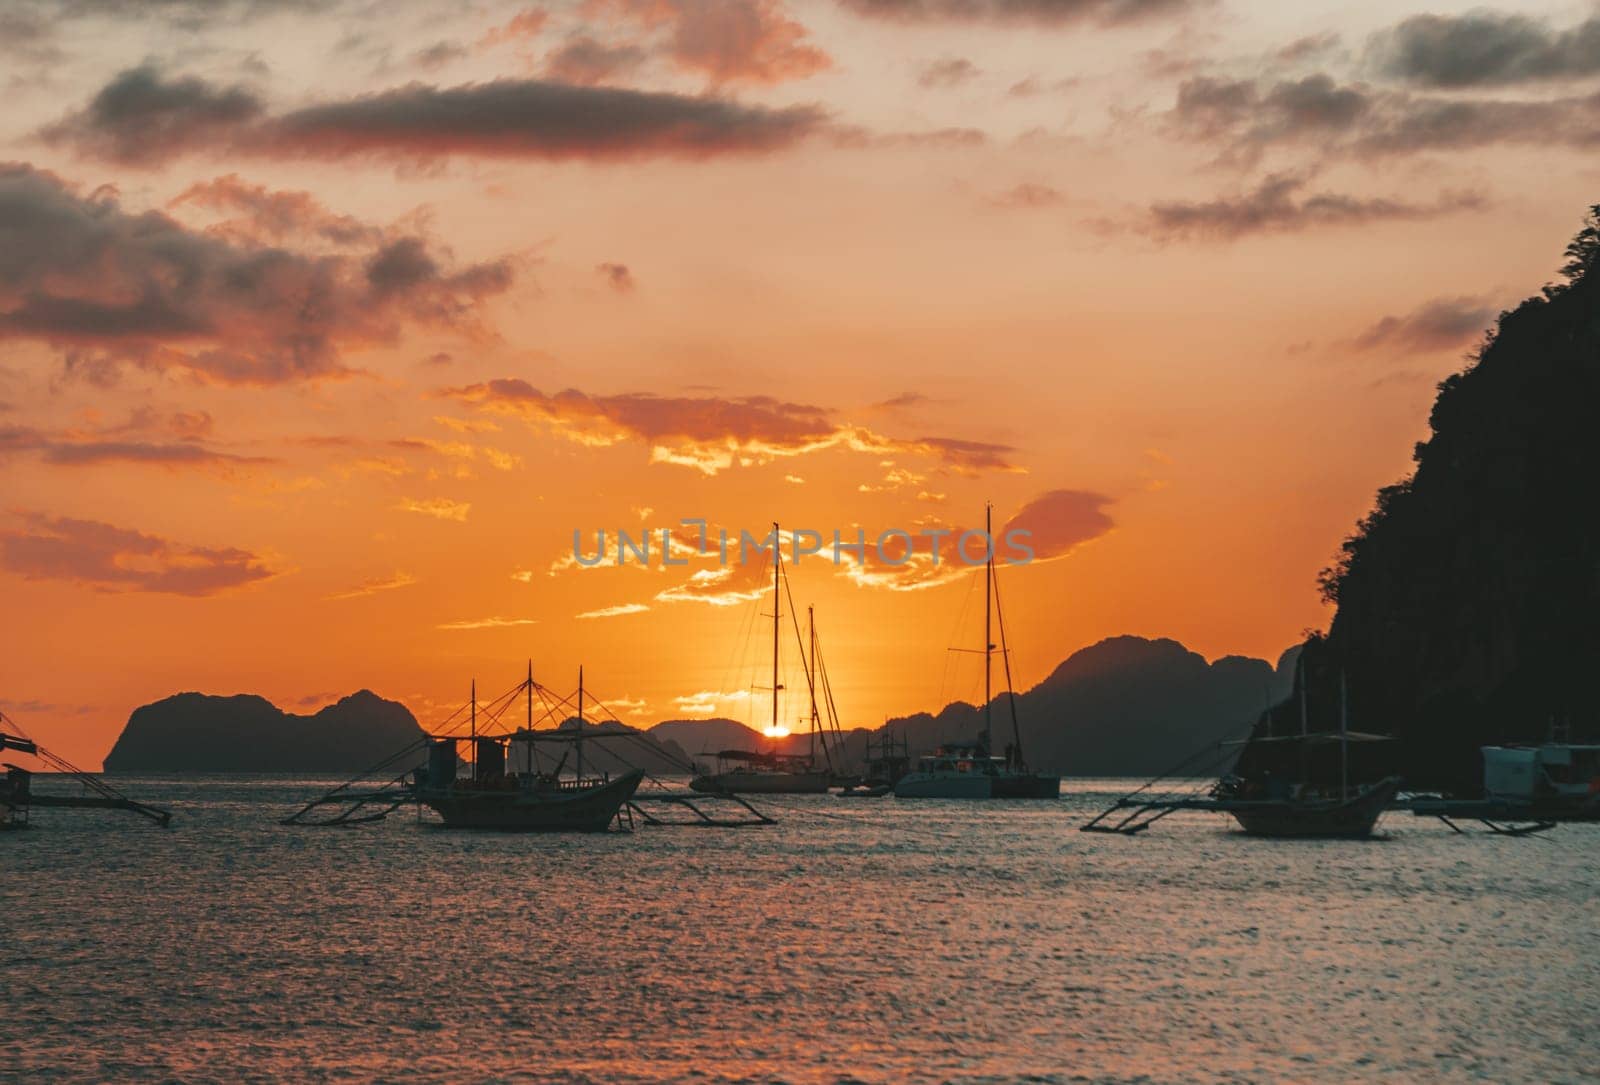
x=968 y=770
x=768 y=771
x=1282 y=788
x=493 y=797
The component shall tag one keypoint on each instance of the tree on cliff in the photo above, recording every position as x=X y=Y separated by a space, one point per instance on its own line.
x=1469 y=598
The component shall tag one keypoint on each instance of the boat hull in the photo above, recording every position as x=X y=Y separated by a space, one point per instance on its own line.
x=762 y=783
x=1351 y=818
x=918 y=785
x=585 y=810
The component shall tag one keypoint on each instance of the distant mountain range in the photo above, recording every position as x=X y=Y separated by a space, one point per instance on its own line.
x=1126 y=706
x=197 y=733
x=194 y=732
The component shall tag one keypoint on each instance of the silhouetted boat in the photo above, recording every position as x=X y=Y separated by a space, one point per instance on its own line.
x=968 y=770
x=17 y=797
x=770 y=772
x=1289 y=791
x=491 y=797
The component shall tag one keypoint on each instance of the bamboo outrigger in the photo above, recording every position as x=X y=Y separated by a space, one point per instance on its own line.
x=17 y=797
x=510 y=786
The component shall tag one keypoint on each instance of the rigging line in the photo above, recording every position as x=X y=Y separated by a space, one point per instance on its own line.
x=1005 y=658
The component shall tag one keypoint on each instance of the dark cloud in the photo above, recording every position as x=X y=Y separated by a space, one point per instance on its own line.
x=1244 y=117
x=712 y=434
x=950 y=72
x=537 y=119
x=586 y=60
x=1437 y=324
x=439 y=54
x=617 y=276
x=115 y=559
x=1278 y=205
x=143 y=117
x=149 y=437
x=1483 y=48
x=1042 y=12
x=109 y=286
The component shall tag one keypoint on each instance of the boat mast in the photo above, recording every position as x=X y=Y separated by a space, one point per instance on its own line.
x=580 y=721
x=777 y=571
x=811 y=675
x=1344 y=737
x=530 y=717
x=1300 y=665
x=988 y=647
x=474 y=728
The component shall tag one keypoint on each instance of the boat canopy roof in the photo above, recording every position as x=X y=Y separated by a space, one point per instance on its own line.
x=1316 y=738
x=12 y=742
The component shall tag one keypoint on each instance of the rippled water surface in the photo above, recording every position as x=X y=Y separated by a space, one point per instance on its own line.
x=862 y=940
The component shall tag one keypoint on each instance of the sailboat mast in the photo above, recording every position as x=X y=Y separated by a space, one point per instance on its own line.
x=530 y=717
x=580 y=721
x=474 y=728
x=988 y=646
x=777 y=570
x=1344 y=737
x=811 y=674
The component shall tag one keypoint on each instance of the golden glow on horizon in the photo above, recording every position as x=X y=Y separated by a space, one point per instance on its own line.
x=958 y=291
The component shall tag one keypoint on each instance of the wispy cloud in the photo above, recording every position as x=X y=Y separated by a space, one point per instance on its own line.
x=116 y=559
x=615 y=611
x=488 y=623
x=375 y=585
x=440 y=508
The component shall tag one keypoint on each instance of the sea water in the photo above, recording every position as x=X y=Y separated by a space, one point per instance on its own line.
x=856 y=940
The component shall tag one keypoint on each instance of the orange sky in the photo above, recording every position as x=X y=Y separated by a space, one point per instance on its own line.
x=288 y=302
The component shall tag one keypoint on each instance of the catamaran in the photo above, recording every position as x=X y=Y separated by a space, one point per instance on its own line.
x=968 y=770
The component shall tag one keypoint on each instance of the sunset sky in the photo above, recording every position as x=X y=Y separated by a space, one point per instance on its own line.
x=324 y=326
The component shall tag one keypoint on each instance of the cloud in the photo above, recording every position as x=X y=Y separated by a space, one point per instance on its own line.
x=1245 y=117
x=1277 y=205
x=143 y=117
x=1029 y=195
x=1483 y=48
x=1437 y=324
x=725 y=586
x=950 y=72
x=267 y=216
x=488 y=623
x=507 y=118
x=1038 y=12
x=440 y=508
x=728 y=41
x=146 y=438
x=707 y=700
x=586 y=60
x=525 y=24
x=616 y=611
x=115 y=559
x=1060 y=521
x=114 y=287
x=713 y=434
x=617 y=276
x=374 y=585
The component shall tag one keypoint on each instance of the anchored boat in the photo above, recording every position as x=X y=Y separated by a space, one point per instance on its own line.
x=970 y=770
x=772 y=772
x=17 y=797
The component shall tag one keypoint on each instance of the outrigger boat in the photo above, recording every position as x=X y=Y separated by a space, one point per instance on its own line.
x=772 y=772
x=492 y=796
x=18 y=798
x=1279 y=787
x=969 y=770
x=505 y=784
x=1526 y=789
